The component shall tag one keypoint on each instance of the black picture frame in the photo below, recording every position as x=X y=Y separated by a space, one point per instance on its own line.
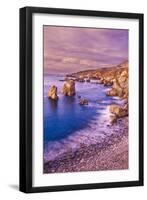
x=26 y=142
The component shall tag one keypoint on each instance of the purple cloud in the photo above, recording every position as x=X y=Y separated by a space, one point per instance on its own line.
x=69 y=49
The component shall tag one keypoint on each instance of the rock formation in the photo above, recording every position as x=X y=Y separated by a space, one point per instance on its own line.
x=83 y=102
x=120 y=86
x=118 y=111
x=52 y=93
x=69 y=88
x=120 y=89
x=116 y=78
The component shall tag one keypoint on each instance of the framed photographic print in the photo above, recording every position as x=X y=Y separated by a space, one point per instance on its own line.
x=81 y=99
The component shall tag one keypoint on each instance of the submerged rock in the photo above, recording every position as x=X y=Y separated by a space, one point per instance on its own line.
x=69 y=88
x=83 y=102
x=52 y=93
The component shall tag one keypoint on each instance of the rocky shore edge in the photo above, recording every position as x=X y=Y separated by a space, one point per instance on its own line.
x=116 y=78
x=111 y=154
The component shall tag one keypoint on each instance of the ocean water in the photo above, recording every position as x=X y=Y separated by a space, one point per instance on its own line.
x=67 y=124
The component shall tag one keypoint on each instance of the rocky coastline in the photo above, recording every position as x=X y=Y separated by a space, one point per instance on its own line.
x=116 y=77
x=112 y=153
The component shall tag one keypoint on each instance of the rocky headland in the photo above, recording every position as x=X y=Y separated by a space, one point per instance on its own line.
x=116 y=78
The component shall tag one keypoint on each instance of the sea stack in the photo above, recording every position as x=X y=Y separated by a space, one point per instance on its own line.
x=52 y=93
x=68 y=88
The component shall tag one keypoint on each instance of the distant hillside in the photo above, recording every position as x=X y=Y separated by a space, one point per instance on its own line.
x=95 y=73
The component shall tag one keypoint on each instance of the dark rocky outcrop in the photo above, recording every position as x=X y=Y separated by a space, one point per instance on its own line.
x=83 y=102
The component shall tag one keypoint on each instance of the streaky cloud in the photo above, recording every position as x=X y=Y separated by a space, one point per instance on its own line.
x=68 y=49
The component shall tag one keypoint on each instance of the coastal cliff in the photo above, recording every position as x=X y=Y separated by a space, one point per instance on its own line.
x=117 y=78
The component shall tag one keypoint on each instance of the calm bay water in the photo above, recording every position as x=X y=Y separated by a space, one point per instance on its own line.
x=68 y=124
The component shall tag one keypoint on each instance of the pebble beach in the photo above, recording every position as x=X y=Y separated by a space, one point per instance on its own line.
x=111 y=154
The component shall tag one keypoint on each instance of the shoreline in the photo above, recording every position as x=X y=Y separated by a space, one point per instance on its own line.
x=112 y=154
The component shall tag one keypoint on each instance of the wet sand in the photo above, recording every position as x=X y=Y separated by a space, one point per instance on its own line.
x=111 y=154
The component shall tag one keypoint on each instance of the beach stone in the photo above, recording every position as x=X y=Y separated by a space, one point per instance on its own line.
x=52 y=93
x=113 y=119
x=68 y=88
x=87 y=80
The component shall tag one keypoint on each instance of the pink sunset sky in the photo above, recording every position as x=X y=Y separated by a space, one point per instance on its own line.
x=71 y=49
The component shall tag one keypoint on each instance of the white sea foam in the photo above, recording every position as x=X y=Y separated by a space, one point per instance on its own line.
x=95 y=132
